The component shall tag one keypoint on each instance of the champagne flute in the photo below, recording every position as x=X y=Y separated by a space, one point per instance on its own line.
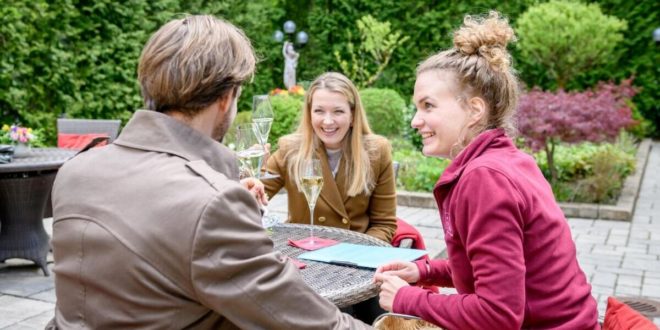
x=250 y=153
x=262 y=115
x=249 y=150
x=311 y=181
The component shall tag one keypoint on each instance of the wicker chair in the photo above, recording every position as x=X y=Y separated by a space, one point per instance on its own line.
x=89 y=126
x=394 y=321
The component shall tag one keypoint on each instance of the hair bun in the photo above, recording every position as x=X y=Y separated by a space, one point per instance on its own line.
x=486 y=37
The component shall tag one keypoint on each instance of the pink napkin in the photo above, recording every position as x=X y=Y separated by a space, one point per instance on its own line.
x=318 y=243
x=297 y=262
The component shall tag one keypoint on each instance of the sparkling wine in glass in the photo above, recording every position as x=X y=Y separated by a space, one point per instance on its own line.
x=249 y=150
x=262 y=115
x=311 y=181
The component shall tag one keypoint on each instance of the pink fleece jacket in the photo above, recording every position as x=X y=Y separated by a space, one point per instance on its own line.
x=511 y=255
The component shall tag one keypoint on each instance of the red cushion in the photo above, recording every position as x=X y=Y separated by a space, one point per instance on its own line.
x=619 y=316
x=77 y=141
x=405 y=230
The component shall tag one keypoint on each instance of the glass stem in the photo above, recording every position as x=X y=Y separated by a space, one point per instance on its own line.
x=311 y=220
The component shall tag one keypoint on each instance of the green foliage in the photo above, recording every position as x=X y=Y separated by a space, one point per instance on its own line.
x=591 y=172
x=609 y=166
x=409 y=133
x=377 y=44
x=428 y=24
x=80 y=58
x=286 y=109
x=588 y=172
x=576 y=161
x=416 y=171
x=561 y=39
x=641 y=58
x=385 y=109
x=70 y=57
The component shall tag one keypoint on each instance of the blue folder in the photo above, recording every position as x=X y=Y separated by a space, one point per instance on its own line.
x=364 y=256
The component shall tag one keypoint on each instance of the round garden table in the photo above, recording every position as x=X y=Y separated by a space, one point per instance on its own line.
x=25 y=185
x=342 y=285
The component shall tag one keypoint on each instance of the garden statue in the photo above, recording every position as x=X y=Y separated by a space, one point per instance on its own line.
x=290 y=64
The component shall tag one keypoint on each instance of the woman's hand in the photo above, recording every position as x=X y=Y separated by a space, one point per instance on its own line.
x=406 y=270
x=256 y=188
x=264 y=160
x=389 y=286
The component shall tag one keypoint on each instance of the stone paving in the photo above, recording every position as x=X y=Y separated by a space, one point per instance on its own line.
x=619 y=258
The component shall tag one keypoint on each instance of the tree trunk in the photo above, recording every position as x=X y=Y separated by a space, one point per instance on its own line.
x=550 y=154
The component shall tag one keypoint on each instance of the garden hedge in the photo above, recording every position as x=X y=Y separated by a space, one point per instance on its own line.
x=79 y=58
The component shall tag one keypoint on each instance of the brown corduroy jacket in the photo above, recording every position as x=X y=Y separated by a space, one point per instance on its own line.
x=373 y=214
x=155 y=232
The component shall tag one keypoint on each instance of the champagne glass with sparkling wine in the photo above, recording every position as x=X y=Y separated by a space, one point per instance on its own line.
x=262 y=116
x=311 y=181
x=249 y=150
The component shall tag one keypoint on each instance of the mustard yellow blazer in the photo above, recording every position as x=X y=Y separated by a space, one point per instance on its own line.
x=373 y=214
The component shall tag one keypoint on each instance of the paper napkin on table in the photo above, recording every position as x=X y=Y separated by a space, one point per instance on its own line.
x=296 y=262
x=305 y=243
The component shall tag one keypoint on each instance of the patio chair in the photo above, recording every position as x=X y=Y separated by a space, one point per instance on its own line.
x=406 y=236
x=629 y=313
x=649 y=308
x=88 y=128
x=394 y=321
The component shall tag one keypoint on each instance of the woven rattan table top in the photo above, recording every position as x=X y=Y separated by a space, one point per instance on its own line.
x=342 y=285
x=38 y=159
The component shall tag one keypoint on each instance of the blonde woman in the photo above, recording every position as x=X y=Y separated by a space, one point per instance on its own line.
x=510 y=252
x=358 y=190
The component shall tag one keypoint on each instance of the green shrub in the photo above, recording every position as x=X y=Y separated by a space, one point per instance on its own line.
x=377 y=44
x=576 y=161
x=385 y=109
x=641 y=59
x=561 y=39
x=409 y=133
x=609 y=166
x=588 y=172
x=286 y=109
x=416 y=171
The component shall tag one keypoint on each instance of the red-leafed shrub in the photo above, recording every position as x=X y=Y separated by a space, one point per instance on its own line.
x=546 y=118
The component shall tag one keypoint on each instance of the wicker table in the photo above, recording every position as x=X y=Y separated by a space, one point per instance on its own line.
x=25 y=184
x=342 y=285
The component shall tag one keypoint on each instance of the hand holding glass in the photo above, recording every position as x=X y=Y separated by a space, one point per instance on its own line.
x=311 y=181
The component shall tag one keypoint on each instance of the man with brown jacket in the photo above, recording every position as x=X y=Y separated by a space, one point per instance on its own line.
x=155 y=231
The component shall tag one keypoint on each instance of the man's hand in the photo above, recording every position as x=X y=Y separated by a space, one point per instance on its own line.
x=256 y=187
x=389 y=286
x=406 y=270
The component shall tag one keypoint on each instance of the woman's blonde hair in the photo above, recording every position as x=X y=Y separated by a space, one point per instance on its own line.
x=481 y=67
x=189 y=63
x=356 y=149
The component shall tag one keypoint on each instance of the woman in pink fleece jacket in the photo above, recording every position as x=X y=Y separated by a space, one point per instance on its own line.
x=511 y=255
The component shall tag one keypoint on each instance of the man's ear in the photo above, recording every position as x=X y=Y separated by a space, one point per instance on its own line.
x=477 y=110
x=225 y=102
